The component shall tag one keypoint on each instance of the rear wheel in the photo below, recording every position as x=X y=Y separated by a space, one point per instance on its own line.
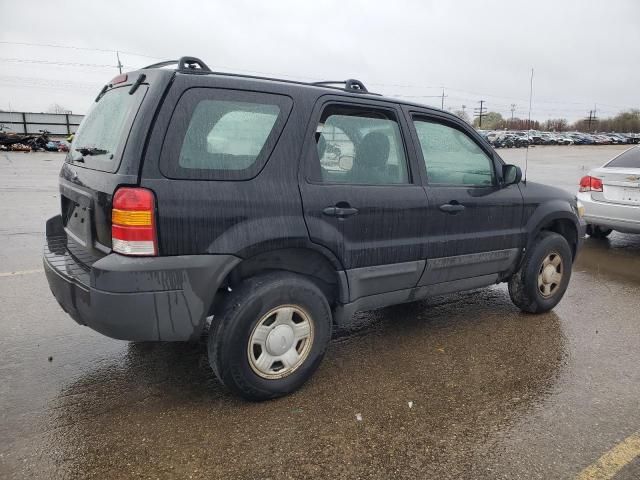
x=270 y=335
x=598 y=232
x=543 y=278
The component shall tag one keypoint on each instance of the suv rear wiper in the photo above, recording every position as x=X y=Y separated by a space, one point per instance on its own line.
x=91 y=151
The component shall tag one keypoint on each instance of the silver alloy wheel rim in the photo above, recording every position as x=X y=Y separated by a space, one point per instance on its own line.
x=550 y=275
x=280 y=342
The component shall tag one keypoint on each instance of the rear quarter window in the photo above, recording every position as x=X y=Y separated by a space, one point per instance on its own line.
x=627 y=159
x=221 y=134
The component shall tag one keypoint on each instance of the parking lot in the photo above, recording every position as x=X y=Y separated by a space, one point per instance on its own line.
x=463 y=386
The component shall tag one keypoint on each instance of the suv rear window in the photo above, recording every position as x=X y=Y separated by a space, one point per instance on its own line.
x=102 y=135
x=628 y=159
x=222 y=134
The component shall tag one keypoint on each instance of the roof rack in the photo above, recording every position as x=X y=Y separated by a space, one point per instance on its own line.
x=351 y=85
x=185 y=64
x=197 y=66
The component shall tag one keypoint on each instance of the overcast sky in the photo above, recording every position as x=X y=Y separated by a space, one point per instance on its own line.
x=584 y=53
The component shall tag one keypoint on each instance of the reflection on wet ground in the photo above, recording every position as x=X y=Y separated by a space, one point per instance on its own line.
x=494 y=393
x=453 y=359
x=618 y=255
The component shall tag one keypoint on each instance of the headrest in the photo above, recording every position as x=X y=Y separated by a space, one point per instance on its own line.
x=373 y=150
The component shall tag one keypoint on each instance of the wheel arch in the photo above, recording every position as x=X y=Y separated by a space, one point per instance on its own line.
x=566 y=228
x=561 y=222
x=319 y=265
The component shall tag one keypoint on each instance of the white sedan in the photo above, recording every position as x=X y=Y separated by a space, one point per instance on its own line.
x=611 y=195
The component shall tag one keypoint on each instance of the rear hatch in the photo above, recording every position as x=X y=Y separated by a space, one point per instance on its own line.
x=97 y=164
x=621 y=178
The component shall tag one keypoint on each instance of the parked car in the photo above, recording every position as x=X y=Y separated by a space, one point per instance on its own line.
x=564 y=139
x=633 y=137
x=548 y=139
x=580 y=139
x=611 y=195
x=264 y=211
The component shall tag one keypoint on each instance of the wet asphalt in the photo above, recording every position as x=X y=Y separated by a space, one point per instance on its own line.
x=462 y=386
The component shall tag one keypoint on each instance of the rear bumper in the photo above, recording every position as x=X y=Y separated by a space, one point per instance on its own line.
x=623 y=218
x=128 y=298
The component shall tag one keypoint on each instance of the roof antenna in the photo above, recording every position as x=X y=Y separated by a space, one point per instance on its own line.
x=526 y=155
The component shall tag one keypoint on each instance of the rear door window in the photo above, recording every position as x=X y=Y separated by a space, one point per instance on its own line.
x=358 y=145
x=101 y=137
x=628 y=159
x=222 y=134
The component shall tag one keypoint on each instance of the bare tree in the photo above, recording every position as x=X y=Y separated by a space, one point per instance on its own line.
x=556 y=124
x=628 y=121
x=463 y=115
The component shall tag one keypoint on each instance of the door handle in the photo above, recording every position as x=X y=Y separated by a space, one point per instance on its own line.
x=340 y=212
x=452 y=208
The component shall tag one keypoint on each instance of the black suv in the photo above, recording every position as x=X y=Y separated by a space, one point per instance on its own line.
x=263 y=211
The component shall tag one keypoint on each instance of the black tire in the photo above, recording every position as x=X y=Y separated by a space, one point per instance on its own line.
x=239 y=315
x=523 y=285
x=595 y=231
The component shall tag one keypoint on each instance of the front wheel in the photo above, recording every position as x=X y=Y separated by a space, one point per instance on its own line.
x=543 y=278
x=269 y=335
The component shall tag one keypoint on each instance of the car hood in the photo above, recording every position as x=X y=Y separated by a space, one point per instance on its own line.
x=534 y=192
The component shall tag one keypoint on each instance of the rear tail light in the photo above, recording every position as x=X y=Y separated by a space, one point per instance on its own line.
x=590 y=184
x=133 y=225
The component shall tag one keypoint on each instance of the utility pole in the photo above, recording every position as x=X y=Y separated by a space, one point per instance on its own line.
x=463 y=107
x=119 y=64
x=513 y=109
x=480 y=112
x=592 y=119
x=442 y=103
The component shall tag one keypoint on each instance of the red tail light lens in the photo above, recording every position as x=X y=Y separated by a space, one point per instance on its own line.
x=590 y=184
x=133 y=226
x=596 y=184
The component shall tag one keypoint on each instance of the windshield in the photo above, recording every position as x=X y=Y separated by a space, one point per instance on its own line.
x=628 y=159
x=101 y=136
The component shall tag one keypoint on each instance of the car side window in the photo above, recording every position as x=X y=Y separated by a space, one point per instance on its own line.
x=451 y=157
x=226 y=135
x=357 y=145
x=220 y=134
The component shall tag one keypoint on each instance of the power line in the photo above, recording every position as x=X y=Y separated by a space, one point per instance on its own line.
x=106 y=50
x=120 y=66
x=70 y=47
x=57 y=63
x=31 y=81
x=479 y=94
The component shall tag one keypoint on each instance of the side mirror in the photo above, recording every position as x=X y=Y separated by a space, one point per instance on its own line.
x=511 y=174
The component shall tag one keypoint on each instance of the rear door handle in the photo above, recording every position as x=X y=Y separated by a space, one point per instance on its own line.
x=340 y=212
x=452 y=208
